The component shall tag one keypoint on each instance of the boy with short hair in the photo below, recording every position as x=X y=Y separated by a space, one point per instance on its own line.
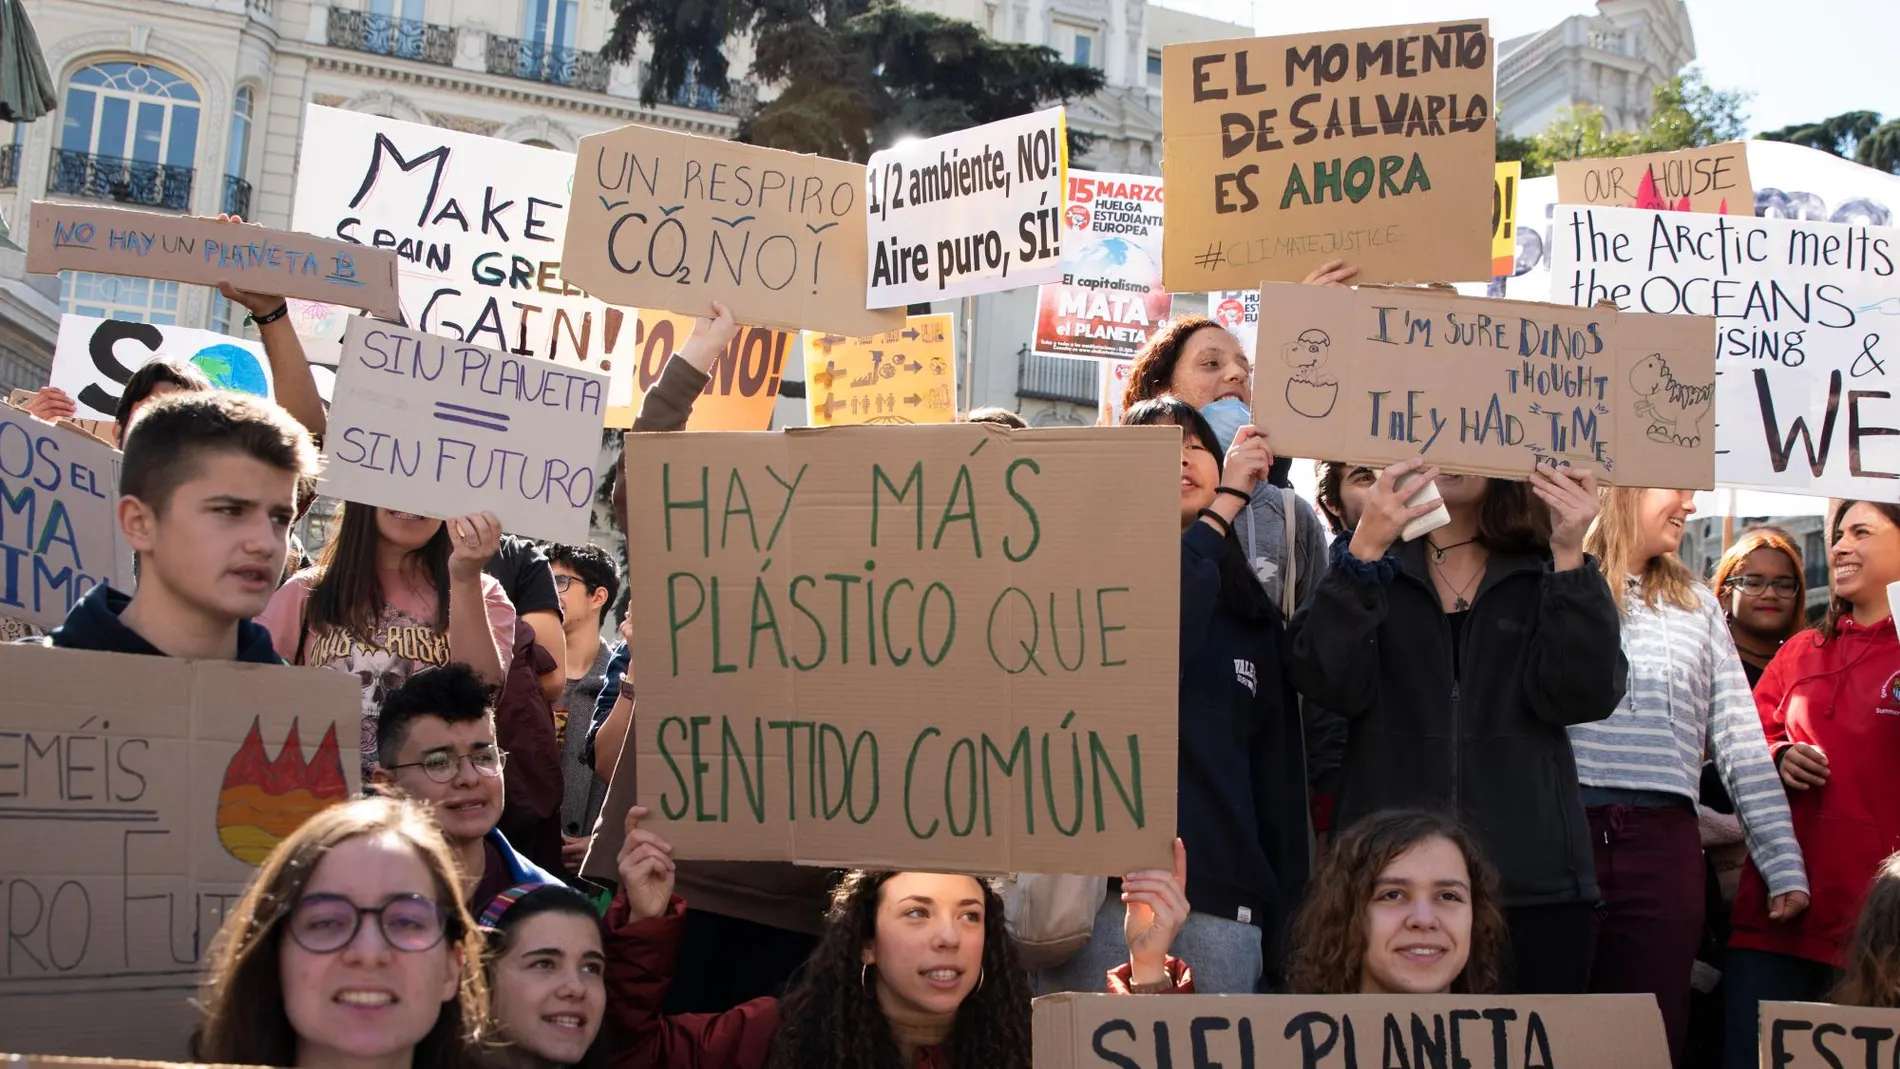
x=208 y=489
x=435 y=742
x=588 y=582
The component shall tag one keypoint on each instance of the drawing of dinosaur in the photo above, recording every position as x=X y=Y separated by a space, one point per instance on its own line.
x=1675 y=410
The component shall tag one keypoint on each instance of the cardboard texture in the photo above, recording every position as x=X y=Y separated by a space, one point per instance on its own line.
x=900 y=376
x=745 y=378
x=1811 y=1035
x=94 y=358
x=438 y=428
x=59 y=525
x=1807 y=387
x=1510 y=173
x=184 y=248
x=133 y=811
x=967 y=213
x=1485 y=387
x=1713 y=180
x=672 y=221
x=807 y=694
x=1110 y=300
x=1375 y=146
x=1075 y=1031
x=104 y=430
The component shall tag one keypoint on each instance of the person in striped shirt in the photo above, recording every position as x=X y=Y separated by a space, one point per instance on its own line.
x=1640 y=769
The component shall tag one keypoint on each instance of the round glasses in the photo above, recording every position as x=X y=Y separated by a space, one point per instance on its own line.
x=1759 y=584
x=441 y=765
x=325 y=924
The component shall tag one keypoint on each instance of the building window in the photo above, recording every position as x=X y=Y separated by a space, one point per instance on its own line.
x=135 y=300
x=1084 y=49
x=1154 y=71
x=243 y=107
x=412 y=10
x=550 y=22
x=128 y=132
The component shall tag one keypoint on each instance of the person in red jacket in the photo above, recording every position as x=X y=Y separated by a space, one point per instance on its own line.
x=914 y=969
x=1830 y=704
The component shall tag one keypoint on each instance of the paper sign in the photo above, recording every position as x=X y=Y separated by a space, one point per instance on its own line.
x=184 y=248
x=1712 y=179
x=59 y=523
x=902 y=376
x=440 y=428
x=133 y=811
x=672 y=221
x=103 y=429
x=1075 y=1031
x=1485 y=387
x=1115 y=374
x=978 y=211
x=1375 y=146
x=815 y=609
x=1110 y=300
x=1510 y=174
x=94 y=358
x=1239 y=312
x=745 y=378
x=1808 y=334
x=1809 y=1035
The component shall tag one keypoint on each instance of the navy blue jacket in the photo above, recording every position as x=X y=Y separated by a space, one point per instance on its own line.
x=93 y=624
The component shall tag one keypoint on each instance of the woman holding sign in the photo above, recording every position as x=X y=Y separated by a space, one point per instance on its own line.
x=1459 y=659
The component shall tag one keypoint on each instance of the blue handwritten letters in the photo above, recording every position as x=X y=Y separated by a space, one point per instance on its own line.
x=58 y=523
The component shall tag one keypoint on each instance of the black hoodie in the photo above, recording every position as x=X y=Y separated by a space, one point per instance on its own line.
x=93 y=624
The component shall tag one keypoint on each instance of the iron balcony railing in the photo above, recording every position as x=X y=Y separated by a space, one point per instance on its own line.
x=691 y=95
x=386 y=35
x=538 y=61
x=154 y=185
x=237 y=196
x=9 y=166
x=1058 y=378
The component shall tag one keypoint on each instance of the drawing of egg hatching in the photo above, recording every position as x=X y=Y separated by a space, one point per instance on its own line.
x=232 y=367
x=264 y=800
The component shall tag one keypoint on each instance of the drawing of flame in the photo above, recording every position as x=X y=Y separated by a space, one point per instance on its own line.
x=264 y=800
x=1647 y=197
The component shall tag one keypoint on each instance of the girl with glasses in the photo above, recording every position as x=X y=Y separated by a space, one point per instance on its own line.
x=350 y=950
x=1764 y=595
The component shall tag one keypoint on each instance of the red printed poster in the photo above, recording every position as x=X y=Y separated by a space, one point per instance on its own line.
x=1110 y=300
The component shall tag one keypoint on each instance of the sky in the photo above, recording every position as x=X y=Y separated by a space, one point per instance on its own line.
x=1803 y=61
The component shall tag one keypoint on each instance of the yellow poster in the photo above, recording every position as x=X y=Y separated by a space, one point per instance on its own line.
x=1504 y=217
x=899 y=376
x=745 y=378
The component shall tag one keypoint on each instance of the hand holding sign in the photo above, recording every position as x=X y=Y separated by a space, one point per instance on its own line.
x=710 y=338
x=646 y=869
x=1248 y=461
x=258 y=304
x=1157 y=908
x=1331 y=273
x=1387 y=513
x=52 y=404
x=475 y=538
x=1571 y=495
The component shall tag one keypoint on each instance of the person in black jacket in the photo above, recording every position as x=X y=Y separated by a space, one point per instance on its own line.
x=1459 y=659
x=1242 y=778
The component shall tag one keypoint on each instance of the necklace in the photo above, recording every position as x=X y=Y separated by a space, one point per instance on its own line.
x=1438 y=551
x=1459 y=604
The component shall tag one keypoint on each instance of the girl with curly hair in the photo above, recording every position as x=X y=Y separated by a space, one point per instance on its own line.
x=915 y=970
x=1872 y=977
x=1402 y=904
x=1764 y=593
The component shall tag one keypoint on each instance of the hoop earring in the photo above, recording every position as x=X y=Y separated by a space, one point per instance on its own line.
x=864 y=974
x=979 y=982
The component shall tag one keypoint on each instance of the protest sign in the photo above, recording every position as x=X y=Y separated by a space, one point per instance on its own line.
x=745 y=378
x=1807 y=332
x=477 y=225
x=900 y=376
x=973 y=212
x=59 y=522
x=94 y=358
x=1810 y=1035
x=184 y=248
x=1115 y=375
x=1374 y=146
x=103 y=429
x=1713 y=179
x=1510 y=173
x=1076 y=1031
x=672 y=221
x=817 y=611
x=1484 y=387
x=1110 y=300
x=133 y=810
x=1239 y=312
x=441 y=428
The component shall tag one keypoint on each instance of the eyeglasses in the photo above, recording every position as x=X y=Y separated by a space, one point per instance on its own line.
x=441 y=765
x=562 y=582
x=325 y=924
x=1756 y=584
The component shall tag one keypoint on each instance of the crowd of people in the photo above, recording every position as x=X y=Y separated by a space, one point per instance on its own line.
x=1529 y=752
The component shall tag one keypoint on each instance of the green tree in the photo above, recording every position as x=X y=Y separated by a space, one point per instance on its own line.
x=1686 y=112
x=1582 y=132
x=1838 y=136
x=1881 y=149
x=1524 y=150
x=853 y=76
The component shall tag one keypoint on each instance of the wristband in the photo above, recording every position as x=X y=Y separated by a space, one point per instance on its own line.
x=271 y=317
x=1219 y=521
x=1241 y=494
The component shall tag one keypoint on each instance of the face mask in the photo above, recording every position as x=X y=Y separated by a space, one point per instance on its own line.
x=1226 y=416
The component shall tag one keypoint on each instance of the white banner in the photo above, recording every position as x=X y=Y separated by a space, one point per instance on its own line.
x=441 y=428
x=1239 y=312
x=94 y=358
x=1807 y=334
x=1110 y=300
x=977 y=211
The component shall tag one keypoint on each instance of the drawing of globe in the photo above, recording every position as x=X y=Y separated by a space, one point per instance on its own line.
x=232 y=367
x=1115 y=252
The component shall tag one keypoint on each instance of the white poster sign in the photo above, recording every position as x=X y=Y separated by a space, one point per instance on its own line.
x=477 y=223
x=1110 y=300
x=1808 y=336
x=94 y=358
x=442 y=428
x=1239 y=312
x=977 y=211
x=59 y=526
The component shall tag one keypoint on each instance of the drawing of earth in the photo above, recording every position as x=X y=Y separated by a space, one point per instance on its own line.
x=1115 y=252
x=232 y=367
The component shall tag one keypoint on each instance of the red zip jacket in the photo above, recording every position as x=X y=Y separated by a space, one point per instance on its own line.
x=1843 y=697
x=641 y=957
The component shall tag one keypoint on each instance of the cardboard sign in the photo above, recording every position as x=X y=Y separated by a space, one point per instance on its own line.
x=978 y=211
x=184 y=248
x=1110 y=300
x=745 y=378
x=440 y=428
x=1075 y=1031
x=1510 y=173
x=1712 y=179
x=95 y=358
x=901 y=376
x=1810 y=1035
x=1115 y=375
x=59 y=524
x=816 y=608
x=133 y=811
x=1239 y=312
x=1485 y=387
x=672 y=221
x=1374 y=146
x=1808 y=343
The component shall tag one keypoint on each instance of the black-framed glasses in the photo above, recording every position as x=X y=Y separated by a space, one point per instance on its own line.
x=441 y=765
x=325 y=924
x=562 y=582
x=1782 y=585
